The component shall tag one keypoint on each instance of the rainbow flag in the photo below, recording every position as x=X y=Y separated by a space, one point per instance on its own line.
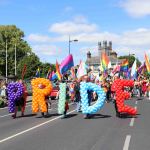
x=58 y=71
x=147 y=63
x=105 y=60
x=124 y=66
x=66 y=64
x=37 y=73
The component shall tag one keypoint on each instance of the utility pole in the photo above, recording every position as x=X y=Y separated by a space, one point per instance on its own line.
x=6 y=61
x=15 y=60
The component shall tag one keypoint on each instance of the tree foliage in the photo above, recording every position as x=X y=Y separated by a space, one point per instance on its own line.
x=11 y=36
x=32 y=62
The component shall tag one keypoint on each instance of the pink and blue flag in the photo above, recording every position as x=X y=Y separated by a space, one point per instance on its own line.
x=66 y=64
x=53 y=76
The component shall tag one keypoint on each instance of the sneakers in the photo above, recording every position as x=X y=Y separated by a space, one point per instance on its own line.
x=13 y=116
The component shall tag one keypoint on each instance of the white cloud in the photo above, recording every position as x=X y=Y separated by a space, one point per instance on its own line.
x=136 y=41
x=136 y=8
x=78 y=25
x=139 y=37
x=48 y=50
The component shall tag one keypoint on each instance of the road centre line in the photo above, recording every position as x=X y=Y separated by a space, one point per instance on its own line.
x=127 y=142
x=132 y=122
x=132 y=119
x=34 y=127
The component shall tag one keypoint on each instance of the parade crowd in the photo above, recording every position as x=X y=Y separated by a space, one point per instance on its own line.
x=141 y=88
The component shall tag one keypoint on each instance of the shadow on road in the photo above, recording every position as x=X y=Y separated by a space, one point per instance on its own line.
x=70 y=116
x=27 y=115
x=125 y=116
x=97 y=116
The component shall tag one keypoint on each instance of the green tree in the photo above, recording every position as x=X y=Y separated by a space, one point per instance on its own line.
x=131 y=60
x=11 y=36
x=45 y=67
x=32 y=62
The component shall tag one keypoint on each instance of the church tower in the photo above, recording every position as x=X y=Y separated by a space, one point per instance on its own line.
x=106 y=47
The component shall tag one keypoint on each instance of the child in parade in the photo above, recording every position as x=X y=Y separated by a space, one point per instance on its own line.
x=144 y=87
x=72 y=92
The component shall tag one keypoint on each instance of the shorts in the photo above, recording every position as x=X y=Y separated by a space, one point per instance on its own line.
x=20 y=102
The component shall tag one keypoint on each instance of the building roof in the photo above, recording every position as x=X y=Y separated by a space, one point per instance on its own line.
x=96 y=60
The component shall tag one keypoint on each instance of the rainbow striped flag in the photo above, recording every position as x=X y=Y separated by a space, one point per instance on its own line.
x=58 y=71
x=147 y=63
x=124 y=66
x=104 y=60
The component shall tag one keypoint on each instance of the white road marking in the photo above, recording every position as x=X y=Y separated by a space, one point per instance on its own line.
x=7 y=107
x=6 y=115
x=132 y=119
x=127 y=142
x=136 y=102
x=32 y=128
x=132 y=122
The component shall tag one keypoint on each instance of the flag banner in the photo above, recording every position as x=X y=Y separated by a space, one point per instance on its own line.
x=134 y=70
x=58 y=71
x=105 y=60
x=24 y=71
x=66 y=64
x=141 y=68
x=116 y=69
x=52 y=76
x=82 y=70
x=147 y=63
x=38 y=73
x=124 y=66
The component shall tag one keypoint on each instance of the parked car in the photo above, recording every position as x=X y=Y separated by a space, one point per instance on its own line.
x=54 y=92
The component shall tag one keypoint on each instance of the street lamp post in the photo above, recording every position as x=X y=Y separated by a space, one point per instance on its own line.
x=15 y=60
x=75 y=40
x=6 y=60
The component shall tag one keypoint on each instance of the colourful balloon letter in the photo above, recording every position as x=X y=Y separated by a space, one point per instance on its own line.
x=84 y=87
x=41 y=88
x=121 y=95
x=62 y=98
x=15 y=91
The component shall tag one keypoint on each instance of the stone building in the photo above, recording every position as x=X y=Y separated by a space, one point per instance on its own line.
x=94 y=61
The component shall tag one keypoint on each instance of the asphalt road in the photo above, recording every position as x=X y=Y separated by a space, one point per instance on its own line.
x=104 y=131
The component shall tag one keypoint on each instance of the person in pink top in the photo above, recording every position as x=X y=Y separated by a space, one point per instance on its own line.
x=144 y=87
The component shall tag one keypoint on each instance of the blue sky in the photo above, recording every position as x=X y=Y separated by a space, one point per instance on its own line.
x=47 y=25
